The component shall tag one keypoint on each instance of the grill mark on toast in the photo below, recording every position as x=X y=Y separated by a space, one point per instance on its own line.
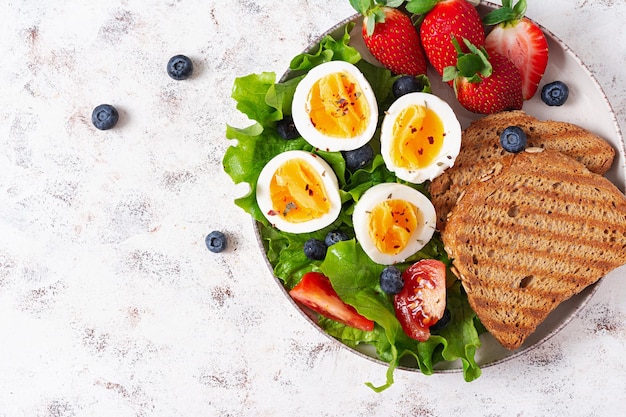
x=527 y=239
x=532 y=223
x=532 y=261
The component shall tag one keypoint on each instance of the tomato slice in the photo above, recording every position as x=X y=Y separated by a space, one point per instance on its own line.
x=316 y=292
x=422 y=300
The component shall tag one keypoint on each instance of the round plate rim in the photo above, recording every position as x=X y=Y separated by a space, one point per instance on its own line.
x=584 y=297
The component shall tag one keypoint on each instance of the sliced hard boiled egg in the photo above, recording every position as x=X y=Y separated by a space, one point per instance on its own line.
x=334 y=107
x=420 y=137
x=392 y=222
x=298 y=192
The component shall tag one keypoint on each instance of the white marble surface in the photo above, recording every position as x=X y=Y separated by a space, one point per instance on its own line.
x=110 y=304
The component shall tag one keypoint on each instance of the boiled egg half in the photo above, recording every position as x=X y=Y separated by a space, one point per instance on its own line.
x=298 y=192
x=392 y=222
x=334 y=107
x=420 y=137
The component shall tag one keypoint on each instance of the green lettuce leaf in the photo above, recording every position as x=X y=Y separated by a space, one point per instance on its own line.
x=458 y=340
x=350 y=336
x=329 y=49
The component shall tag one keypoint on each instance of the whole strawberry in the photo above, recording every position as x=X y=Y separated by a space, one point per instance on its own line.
x=443 y=21
x=484 y=82
x=520 y=40
x=390 y=36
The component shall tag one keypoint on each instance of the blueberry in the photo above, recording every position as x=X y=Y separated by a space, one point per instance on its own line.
x=442 y=322
x=335 y=236
x=287 y=128
x=406 y=84
x=315 y=249
x=391 y=280
x=555 y=93
x=359 y=157
x=513 y=139
x=216 y=241
x=104 y=116
x=179 y=67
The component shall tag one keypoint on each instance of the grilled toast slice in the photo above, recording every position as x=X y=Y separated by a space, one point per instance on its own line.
x=532 y=235
x=480 y=150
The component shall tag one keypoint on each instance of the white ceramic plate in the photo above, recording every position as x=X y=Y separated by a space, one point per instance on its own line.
x=587 y=106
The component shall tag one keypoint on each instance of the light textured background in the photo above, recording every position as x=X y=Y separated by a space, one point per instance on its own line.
x=110 y=304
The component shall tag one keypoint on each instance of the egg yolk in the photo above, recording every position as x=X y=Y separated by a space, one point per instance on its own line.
x=298 y=193
x=417 y=137
x=337 y=106
x=391 y=224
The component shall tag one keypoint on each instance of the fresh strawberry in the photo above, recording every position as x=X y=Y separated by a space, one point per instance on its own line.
x=520 y=40
x=391 y=37
x=316 y=292
x=444 y=20
x=485 y=82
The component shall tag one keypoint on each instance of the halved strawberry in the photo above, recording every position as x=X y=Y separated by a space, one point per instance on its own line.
x=391 y=37
x=316 y=292
x=520 y=40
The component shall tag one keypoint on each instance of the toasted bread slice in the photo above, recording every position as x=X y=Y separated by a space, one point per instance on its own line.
x=532 y=235
x=480 y=149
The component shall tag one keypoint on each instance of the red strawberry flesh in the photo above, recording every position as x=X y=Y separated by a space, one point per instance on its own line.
x=525 y=45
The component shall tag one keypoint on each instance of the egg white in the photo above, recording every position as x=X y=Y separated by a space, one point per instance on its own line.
x=387 y=191
x=449 y=149
x=302 y=119
x=329 y=180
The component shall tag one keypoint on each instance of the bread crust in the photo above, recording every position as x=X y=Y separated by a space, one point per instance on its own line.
x=531 y=235
x=481 y=150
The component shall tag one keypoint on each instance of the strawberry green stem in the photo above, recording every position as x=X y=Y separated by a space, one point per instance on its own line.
x=373 y=10
x=420 y=6
x=473 y=65
x=508 y=14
